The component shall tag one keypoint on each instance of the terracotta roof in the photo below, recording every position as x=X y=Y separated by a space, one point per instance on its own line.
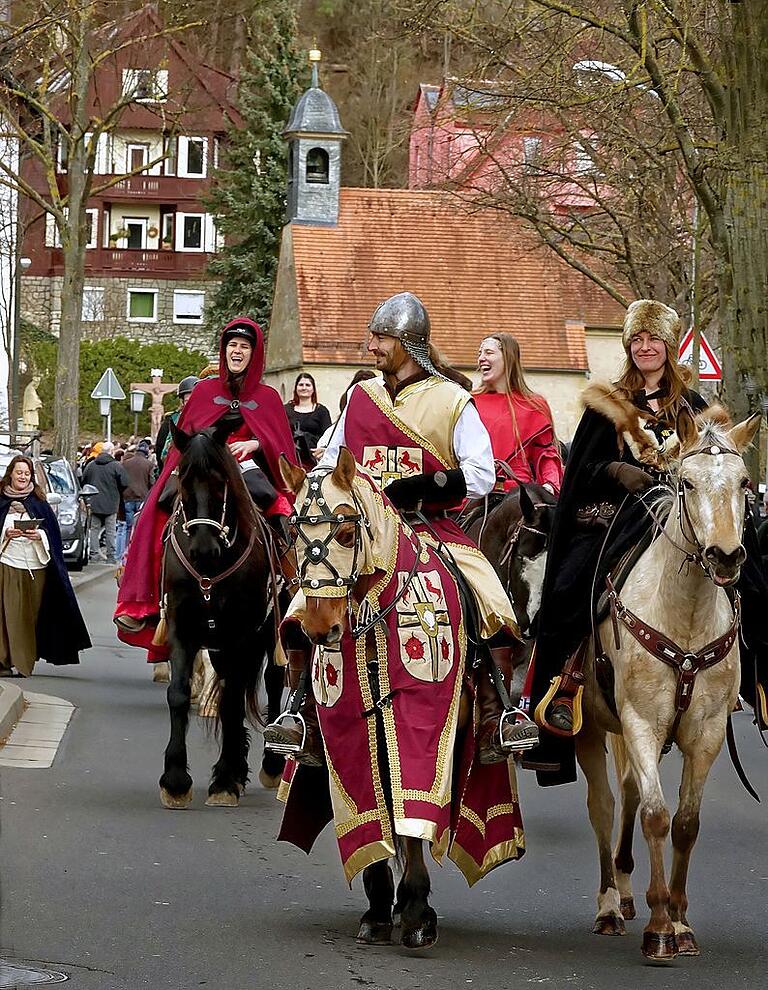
x=475 y=272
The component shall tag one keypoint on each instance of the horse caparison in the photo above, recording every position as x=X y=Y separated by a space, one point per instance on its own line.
x=677 y=588
x=216 y=592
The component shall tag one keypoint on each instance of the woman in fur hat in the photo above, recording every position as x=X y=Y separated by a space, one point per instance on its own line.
x=604 y=475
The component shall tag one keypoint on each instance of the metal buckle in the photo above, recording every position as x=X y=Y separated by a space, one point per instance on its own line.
x=280 y=746
x=205 y=588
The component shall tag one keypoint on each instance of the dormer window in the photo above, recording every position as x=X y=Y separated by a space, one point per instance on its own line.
x=146 y=85
x=317 y=168
x=192 y=157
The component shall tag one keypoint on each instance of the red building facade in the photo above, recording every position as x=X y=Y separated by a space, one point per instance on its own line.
x=150 y=235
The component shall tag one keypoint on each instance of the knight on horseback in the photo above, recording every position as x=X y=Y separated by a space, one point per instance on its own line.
x=258 y=433
x=420 y=437
x=622 y=449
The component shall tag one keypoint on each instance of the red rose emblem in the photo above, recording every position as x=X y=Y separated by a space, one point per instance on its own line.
x=415 y=648
x=331 y=674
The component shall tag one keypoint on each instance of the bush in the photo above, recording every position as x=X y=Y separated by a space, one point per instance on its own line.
x=130 y=360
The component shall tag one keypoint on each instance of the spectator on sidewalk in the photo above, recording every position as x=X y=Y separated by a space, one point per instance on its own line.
x=106 y=474
x=139 y=471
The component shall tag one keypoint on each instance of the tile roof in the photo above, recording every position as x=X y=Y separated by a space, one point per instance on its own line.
x=475 y=272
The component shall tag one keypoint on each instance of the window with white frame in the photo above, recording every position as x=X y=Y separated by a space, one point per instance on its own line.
x=145 y=85
x=190 y=231
x=192 y=157
x=532 y=152
x=136 y=156
x=142 y=305
x=188 y=306
x=583 y=159
x=53 y=237
x=169 y=150
x=93 y=304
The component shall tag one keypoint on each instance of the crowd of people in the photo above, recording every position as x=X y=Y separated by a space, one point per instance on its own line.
x=493 y=436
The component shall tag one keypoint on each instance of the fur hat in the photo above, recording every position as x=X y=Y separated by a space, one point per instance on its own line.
x=654 y=317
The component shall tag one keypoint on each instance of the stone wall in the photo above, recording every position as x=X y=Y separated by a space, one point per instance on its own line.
x=41 y=305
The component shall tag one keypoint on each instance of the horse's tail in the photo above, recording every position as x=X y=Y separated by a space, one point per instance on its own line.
x=620 y=758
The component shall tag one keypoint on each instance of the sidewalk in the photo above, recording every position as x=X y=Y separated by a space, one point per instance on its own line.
x=12 y=699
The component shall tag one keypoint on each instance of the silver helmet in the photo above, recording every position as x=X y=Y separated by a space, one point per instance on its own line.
x=405 y=317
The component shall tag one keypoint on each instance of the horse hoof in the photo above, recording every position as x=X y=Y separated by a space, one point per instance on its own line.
x=175 y=802
x=659 y=946
x=374 y=933
x=628 y=908
x=686 y=944
x=268 y=781
x=609 y=924
x=223 y=799
x=424 y=936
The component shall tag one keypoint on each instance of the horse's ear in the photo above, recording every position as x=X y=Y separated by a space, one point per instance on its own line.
x=743 y=434
x=180 y=438
x=221 y=430
x=526 y=505
x=293 y=475
x=345 y=470
x=685 y=428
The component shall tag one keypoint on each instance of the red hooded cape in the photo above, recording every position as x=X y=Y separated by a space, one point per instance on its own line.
x=265 y=419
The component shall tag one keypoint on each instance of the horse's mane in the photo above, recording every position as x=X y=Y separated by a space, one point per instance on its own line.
x=206 y=456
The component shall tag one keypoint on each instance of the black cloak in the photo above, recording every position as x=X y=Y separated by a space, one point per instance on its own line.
x=60 y=631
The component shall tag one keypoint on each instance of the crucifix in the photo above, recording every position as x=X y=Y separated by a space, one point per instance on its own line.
x=156 y=390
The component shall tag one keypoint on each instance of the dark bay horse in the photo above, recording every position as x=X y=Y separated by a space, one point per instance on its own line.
x=216 y=591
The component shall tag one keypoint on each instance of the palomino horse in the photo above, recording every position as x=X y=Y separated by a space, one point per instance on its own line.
x=385 y=615
x=672 y=641
x=216 y=579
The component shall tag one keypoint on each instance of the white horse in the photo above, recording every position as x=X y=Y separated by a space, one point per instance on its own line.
x=680 y=687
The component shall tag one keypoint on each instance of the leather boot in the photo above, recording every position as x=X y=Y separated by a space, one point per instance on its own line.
x=518 y=732
x=289 y=732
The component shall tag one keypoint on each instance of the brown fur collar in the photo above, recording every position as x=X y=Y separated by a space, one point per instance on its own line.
x=630 y=425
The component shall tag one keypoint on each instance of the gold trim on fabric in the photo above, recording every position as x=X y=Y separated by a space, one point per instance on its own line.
x=495 y=811
x=374 y=852
x=350 y=804
x=283 y=791
x=344 y=828
x=504 y=852
x=416 y=828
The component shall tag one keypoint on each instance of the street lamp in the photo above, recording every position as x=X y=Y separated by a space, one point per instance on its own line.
x=22 y=265
x=137 y=405
x=105 y=411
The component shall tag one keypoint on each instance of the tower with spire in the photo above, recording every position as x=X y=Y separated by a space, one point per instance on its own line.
x=314 y=135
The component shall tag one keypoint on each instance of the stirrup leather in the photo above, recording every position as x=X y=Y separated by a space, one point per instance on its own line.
x=276 y=741
x=540 y=715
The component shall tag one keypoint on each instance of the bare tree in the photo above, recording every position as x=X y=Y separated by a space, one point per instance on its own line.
x=655 y=92
x=49 y=100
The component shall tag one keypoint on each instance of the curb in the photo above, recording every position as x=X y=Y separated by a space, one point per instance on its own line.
x=101 y=572
x=11 y=708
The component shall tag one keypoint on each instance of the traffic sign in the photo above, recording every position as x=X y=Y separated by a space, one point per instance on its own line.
x=108 y=387
x=709 y=366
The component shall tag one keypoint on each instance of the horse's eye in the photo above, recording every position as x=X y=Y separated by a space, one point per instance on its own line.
x=687 y=484
x=346 y=536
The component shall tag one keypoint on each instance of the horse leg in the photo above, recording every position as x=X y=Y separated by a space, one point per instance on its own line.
x=230 y=772
x=272 y=764
x=697 y=762
x=643 y=750
x=176 y=783
x=376 y=923
x=418 y=919
x=590 y=752
x=623 y=859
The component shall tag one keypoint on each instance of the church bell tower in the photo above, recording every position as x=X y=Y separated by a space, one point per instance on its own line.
x=314 y=135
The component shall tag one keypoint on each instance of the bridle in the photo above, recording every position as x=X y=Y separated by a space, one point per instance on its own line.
x=314 y=510
x=221 y=526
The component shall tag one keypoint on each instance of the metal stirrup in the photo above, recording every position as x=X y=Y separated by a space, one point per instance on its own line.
x=290 y=715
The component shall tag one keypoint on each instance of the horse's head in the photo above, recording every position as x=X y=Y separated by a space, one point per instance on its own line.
x=331 y=550
x=712 y=484
x=211 y=490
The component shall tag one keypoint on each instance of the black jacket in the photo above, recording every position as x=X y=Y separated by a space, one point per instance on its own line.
x=110 y=478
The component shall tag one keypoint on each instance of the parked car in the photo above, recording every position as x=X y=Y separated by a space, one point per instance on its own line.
x=74 y=513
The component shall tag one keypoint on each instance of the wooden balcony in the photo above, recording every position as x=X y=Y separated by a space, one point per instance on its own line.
x=123 y=262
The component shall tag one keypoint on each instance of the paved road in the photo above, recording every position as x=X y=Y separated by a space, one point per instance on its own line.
x=98 y=881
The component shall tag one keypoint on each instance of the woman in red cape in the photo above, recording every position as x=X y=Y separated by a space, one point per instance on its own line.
x=518 y=421
x=260 y=434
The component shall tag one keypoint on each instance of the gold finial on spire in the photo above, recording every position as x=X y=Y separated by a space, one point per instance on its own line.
x=314 y=58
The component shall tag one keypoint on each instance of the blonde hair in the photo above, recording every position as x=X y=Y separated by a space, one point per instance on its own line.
x=514 y=381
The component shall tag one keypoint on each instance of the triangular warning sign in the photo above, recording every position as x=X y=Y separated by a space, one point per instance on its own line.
x=108 y=387
x=709 y=366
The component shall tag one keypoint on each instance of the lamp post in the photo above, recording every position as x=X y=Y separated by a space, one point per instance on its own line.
x=105 y=410
x=137 y=405
x=22 y=265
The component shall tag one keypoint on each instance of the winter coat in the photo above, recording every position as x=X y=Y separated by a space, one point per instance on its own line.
x=106 y=474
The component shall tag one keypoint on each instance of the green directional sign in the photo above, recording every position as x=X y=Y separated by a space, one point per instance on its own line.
x=108 y=387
